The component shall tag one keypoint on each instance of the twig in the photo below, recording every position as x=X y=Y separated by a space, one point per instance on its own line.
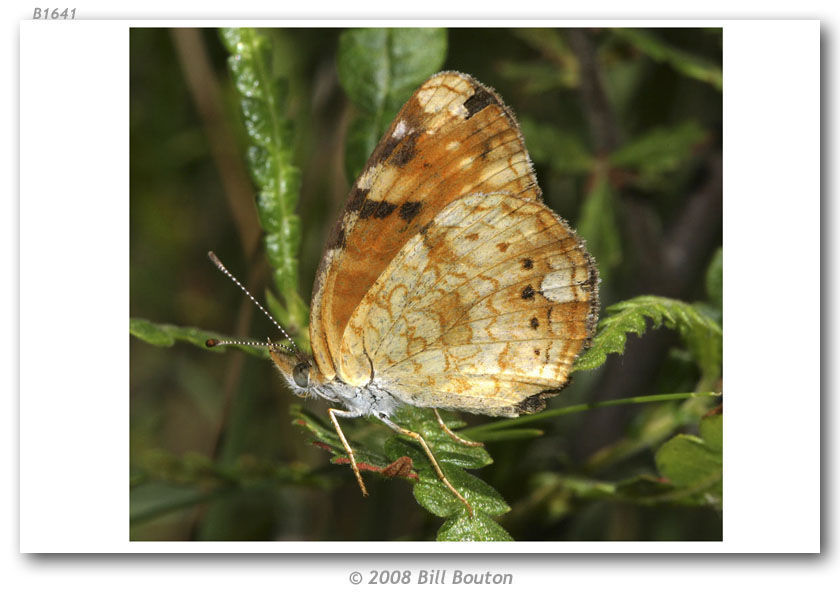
x=206 y=94
x=602 y=122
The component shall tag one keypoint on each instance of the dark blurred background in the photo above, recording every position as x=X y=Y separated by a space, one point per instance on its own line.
x=214 y=455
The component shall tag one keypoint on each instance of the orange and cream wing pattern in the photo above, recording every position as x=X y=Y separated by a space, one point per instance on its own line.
x=483 y=310
x=447 y=281
x=454 y=137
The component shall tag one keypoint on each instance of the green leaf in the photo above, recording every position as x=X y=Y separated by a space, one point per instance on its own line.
x=379 y=69
x=270 y=159
x=658 y=152
x=695 y=465
x=684 y=62
x=702 y=335
x=477 y=529
x=155 y=334
x=160 y=334
x=563 y=151
x=435 y=497
x=711 y=430
x=599 y=227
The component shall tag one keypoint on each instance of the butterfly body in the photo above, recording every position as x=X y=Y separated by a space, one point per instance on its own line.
x=304 y=379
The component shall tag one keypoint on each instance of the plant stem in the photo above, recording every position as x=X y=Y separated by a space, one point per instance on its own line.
x=575 y=408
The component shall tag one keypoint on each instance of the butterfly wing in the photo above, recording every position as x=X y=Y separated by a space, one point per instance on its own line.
x=454 y=137
x=483 y=310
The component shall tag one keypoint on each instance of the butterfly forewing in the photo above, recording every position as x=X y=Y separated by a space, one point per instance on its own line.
x=453 y=137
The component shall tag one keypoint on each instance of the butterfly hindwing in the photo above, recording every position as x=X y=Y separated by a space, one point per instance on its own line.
x=483 y=310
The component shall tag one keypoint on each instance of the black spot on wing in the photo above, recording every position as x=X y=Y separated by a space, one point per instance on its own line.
x=527 y=264
x=480 y=100
x=535 y=322
x=378 y=209
x=528 y=292
x=409 y=210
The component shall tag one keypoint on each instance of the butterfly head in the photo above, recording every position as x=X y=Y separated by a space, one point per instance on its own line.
x=298 y=369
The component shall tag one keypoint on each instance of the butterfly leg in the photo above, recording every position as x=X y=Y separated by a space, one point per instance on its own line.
x=333 y=413
x=419 y=438
x=454 y=435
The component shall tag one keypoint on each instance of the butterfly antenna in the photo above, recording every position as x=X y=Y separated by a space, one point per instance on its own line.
x=213 y=342
x=224 y=270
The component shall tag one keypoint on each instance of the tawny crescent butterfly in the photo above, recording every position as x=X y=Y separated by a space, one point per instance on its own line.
x=446 y=282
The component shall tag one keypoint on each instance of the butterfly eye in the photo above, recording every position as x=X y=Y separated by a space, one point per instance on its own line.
x=301 y=374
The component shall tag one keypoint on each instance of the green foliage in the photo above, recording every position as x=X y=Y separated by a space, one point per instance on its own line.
x=262 y=99
x=379 y=69
x=658 y=152
x=429 y=491
x=684 y=62
x=702 y=335
x=689 y=475
x=599 y=226
x=699 y=325
x=192 y=478
x=553 y=482
x=564 y=151
x=694 y=465
x=559 y=69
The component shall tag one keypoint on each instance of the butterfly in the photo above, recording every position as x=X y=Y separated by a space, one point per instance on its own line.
x=446 y=282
